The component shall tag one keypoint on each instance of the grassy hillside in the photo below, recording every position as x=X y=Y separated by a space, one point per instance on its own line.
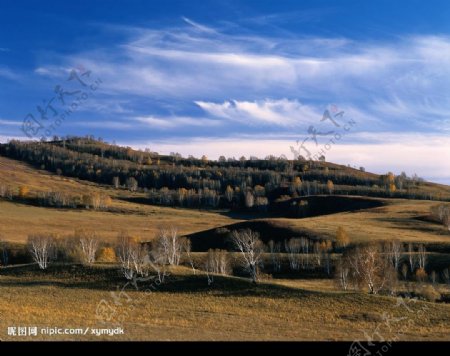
x=186 y=308
x=395 y=219
x=17 y=221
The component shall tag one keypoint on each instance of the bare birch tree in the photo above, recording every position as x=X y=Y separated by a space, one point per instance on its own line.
x=217 y=262
x=293 y=248
x=275 y=250
x=422 y=256
x=342 y=273
x=251 y=248
x=170 y=246
x=41 y=249
x=89 y=246
x=393 y=250
x=370 y=270
x=133 y=256
x=304 y=242
x=411 y=257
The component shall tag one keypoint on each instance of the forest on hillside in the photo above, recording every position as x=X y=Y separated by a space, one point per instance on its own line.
x=199 y=182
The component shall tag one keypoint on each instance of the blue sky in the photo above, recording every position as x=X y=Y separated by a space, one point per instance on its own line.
x=236 y=77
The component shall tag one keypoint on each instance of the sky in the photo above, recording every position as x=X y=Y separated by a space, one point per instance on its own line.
x=364 y=83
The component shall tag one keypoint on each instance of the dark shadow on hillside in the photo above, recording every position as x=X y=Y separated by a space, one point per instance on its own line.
x=109 y=279
x=316 y=205
x=302 y=207
x=268 y=230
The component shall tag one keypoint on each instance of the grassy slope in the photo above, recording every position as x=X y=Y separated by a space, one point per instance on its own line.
x=397 y=219
x=17 y=221
x=185 y=308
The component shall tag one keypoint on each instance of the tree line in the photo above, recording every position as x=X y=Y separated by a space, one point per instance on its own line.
x=191 y=182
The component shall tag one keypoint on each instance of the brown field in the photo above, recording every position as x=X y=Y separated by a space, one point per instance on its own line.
x=185 y=308
x=397 y=220
x=17 y=221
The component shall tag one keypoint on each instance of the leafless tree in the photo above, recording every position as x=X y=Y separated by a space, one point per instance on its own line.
x=170 y=246
x=157 y=263
x=116 y=182
x=404 y=271
x=422 y=256
x=342 y=273
x=133 y=256
x=132 y=184
x=217 y=262
x=442 y=214
x=304 y=242
x=89 y=246
x=293 y=248
x=251 y=248
x=433 y=277
x=393 y=250
x=41 y=248
x=370 y=270
x=275 y=250
x=317 y=253
x=411 y=256
x=188 y=254
x=446 y=275
x=446 y=220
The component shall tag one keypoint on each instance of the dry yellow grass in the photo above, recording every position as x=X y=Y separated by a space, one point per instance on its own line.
x=396 y=220
x=15 y=174
x=17 y=221
x=232 y=310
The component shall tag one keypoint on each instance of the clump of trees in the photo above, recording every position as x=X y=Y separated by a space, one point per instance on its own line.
x=132 y=255
x=275 y=255
x=58 y=199
x=96 y=201
x=248 y=243
x=41 y=248
x=217 y=262
x=169 y=246
x=442 y=214
x=89 y=244
x=6 y=192
x=366 y=268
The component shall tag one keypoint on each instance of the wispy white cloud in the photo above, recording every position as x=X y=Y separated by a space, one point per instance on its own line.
x=176 y=122
x=8 y=73
x=198 y=26
x=281 y=112
x=201 y=63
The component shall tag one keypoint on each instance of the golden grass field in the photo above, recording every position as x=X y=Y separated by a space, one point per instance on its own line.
x=231 y=309
x=186 y=308
x=396 y=220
